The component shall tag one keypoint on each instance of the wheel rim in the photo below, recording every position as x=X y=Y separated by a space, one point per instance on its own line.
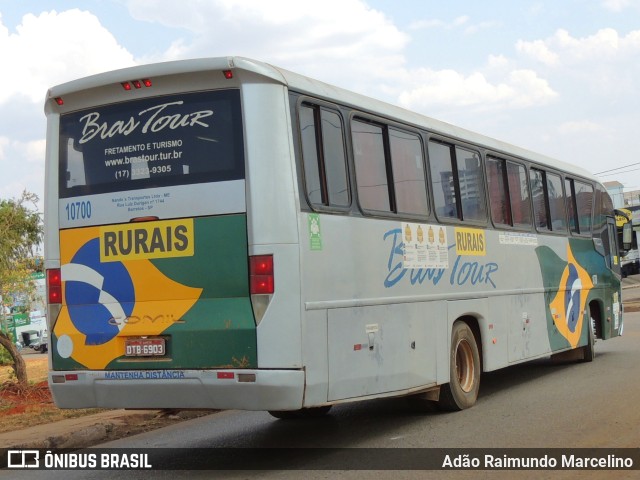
x=465 y=368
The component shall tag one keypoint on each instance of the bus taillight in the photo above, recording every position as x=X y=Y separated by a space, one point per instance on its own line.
x=261 y=275
x=54 y=286
x=137 y=84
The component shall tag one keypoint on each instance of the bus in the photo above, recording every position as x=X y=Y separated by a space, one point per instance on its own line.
x=225 y=234
x=630 y=262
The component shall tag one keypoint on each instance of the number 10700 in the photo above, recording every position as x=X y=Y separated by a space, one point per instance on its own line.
x=78 y=210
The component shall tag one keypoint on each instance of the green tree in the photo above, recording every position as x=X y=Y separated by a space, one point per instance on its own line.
x=20 y=234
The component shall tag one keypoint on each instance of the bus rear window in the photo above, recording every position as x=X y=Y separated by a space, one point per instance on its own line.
x=155 y=142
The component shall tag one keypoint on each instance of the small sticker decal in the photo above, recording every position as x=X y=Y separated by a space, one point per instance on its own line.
x=315 y=234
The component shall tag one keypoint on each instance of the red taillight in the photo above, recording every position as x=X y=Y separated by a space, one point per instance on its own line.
x=130 y=85
x=59 y=101
x=261 y=275
x=54 y=286
x=228 y=74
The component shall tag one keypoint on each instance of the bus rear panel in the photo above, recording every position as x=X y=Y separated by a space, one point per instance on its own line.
x=150 y=276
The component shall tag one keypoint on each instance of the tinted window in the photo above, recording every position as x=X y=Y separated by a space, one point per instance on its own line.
x=548 y=201
x=334 y=158
x=458 y=184
x=371 y=169
x=519 y=195
x=498 y=194
x=539 y=201
x=160 y=141
x=471 y=184
x=556 y=202
x=584 y=201
x=310 y=154
x=408 y=172
x=444 y=189
x=572 y=211
x=323 y=156
x=508 y=193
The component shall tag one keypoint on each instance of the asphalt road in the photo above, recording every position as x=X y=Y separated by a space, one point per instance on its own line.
x=535 y=405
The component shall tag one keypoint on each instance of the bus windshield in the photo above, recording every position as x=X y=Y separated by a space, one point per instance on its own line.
x=160 y=141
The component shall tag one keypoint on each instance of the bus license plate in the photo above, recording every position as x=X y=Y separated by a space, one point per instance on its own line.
x=144 y=347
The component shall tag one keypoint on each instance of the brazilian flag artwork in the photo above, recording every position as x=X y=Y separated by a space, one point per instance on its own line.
x=568 y=287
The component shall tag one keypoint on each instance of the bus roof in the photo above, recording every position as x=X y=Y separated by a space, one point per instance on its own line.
x=316 y=88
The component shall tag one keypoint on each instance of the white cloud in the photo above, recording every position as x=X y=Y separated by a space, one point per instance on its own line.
x=34 y=151
x=538 y=50
x=4 y=142
x=603 y=63
x=82 y=46
x=304 y=36
x=620 y=5
x=606 y=45
x=577 y=127
x=435 y=23
x=448 y=88
x=22 y=164
x=462 y=22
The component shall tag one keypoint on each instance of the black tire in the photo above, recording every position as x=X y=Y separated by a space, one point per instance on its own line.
x=313 y=412
x=589 y=351
x=464 y=371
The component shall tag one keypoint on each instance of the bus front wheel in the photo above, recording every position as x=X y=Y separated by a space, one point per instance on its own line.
x=464 y=370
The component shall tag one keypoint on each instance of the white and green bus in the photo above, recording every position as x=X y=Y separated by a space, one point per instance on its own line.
x=222 y=233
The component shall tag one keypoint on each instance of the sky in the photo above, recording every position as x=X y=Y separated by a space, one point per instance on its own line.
x=561 y=78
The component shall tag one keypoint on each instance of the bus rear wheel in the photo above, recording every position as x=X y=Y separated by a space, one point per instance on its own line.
x=464 y=370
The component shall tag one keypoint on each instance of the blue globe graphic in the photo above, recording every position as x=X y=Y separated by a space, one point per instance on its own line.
x=90 y=314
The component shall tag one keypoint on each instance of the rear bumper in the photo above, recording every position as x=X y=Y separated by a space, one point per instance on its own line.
x=217 y=389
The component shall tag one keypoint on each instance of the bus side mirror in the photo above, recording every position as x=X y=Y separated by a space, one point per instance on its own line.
x=627 y=236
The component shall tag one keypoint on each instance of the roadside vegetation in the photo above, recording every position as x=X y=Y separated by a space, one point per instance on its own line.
x=20 y=235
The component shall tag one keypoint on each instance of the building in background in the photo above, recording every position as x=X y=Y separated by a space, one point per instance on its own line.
x=615 y=190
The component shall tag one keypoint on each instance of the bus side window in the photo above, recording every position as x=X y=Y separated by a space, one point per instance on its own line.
x=498 y=192
x=442 y=180
x=409 y=180
x=371 y=166
x=519 y=195
x=471 y=184
x=557 y=209
x=540 y=210
x=324 y=157
x=458 y=185
x=584 y=202
x=579 y=206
